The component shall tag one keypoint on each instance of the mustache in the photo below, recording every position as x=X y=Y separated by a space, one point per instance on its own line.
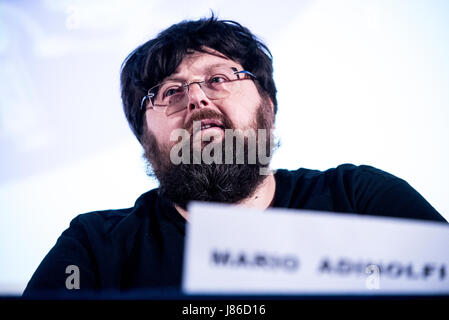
x=208 y=114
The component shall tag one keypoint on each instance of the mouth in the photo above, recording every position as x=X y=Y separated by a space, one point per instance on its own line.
x=207 y=124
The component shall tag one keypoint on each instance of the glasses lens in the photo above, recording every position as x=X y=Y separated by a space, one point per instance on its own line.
x=220 y=82
x=164 y=93
x=168 y=96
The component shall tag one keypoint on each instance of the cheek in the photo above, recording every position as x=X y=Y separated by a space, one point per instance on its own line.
x=161 y=128
x=242 y=109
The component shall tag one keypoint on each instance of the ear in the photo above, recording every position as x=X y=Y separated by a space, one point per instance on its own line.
x=270 y=102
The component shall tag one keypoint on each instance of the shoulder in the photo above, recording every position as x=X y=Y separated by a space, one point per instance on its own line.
x=360 y=176
x=96 y=242
x=364 y=182
x=342 y=184
x=363 y=170
x=347 y=170
x=103 y=222
x=345 y=173
x=377 y=192
x=360 y=189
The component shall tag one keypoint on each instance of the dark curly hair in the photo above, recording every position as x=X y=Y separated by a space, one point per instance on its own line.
x=158 y=58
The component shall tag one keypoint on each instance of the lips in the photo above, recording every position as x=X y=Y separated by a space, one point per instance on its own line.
x=207 y=124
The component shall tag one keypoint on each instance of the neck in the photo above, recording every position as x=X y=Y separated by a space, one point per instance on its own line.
x=261 y=198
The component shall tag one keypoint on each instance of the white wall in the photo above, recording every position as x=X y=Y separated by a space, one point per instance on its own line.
x=359 y=81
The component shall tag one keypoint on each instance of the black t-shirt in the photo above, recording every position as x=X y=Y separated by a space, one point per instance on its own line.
x=141 y=248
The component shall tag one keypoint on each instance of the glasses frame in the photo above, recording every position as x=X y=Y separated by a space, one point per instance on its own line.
x=150 y=95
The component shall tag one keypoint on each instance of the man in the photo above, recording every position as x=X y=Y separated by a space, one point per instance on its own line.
x=200 y=98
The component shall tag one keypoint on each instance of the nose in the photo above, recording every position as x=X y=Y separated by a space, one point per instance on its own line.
x=197 y=97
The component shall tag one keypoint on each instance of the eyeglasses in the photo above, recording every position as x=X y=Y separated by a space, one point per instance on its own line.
x=172 y=96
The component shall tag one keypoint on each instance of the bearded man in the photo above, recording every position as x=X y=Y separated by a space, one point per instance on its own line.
x=201 y=100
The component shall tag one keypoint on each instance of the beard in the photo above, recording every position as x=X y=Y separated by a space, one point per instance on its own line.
x=219 y=181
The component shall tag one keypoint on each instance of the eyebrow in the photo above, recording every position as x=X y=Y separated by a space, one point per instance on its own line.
x=173 y=77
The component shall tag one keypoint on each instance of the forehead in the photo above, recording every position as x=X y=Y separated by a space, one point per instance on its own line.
x=197 y=63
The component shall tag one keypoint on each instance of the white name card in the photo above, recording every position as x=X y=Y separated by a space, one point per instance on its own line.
x=236 y=250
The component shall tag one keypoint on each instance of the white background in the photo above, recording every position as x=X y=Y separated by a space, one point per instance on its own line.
x=362 y=82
